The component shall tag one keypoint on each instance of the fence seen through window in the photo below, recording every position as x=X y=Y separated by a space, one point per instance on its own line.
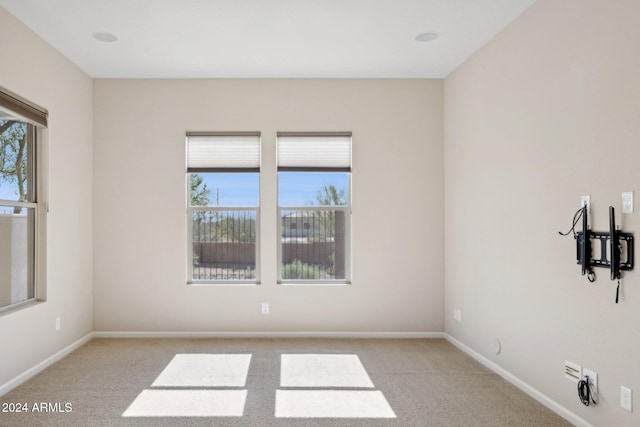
x=224 y=226
x=313 y=243
x=224 y=243
x=314 y=216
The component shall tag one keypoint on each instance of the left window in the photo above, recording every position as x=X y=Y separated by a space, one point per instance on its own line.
x=223 y=187
x=22 y=245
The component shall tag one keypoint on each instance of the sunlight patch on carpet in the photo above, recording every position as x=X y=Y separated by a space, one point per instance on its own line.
x=332 y=404
x=323 y=370
x=205 y=370
x=188 y=403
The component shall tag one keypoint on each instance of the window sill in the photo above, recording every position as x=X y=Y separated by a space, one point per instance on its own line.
x=19 y=306
x=223 y=283
x=313 y=283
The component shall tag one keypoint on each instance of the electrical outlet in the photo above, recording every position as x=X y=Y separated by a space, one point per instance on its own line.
x=586 y=200
x=625 y=398
x=457 y=315
x=58 y=324
x=627 y=202
x=265 y=308
x=593 y=379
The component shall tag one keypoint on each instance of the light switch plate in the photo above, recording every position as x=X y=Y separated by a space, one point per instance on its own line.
x=625 y=398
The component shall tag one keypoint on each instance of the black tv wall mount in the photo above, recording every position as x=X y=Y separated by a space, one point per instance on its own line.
x=625 y=264
x=616 y=248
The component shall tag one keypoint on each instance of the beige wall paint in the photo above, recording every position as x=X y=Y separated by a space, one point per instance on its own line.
x=139 y=204
x=34 y=70
x=546 y=112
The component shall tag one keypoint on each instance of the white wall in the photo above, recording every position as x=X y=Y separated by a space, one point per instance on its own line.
x=33 y=69
x=140 y=220
x=546 y=112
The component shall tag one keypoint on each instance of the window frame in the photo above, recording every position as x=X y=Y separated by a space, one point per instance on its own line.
x=36 y=120
x=347 y=208
x=192 y=209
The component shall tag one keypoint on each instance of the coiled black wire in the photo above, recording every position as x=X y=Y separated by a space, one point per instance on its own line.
x=584 y=392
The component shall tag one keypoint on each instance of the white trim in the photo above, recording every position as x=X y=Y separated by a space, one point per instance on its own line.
x=534 y=393
x=32 y=372
x=261 y=334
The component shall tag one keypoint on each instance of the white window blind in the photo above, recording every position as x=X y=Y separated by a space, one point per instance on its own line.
x=314 y=152
x=223 y=152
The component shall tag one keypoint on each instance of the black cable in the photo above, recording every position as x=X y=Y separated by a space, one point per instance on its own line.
x=584 y=392
x=576 y=218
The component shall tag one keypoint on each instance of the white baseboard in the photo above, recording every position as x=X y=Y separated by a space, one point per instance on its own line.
x=261 y=334
x=537 y=395
x=32 y=372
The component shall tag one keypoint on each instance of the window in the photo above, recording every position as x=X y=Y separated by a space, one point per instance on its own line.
x=223 y=174
x=314 y=208
x=21 y=209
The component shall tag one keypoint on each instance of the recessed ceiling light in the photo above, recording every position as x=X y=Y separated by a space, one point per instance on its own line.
x=105 y=37
x=427 y=37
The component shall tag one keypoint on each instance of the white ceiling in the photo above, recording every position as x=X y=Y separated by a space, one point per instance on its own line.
x=267 y=38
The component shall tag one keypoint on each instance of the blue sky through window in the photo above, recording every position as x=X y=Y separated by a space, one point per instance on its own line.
x=13 y=132
x=294 y=188
x=301 y=188
x=8 y=191
x=232 y=189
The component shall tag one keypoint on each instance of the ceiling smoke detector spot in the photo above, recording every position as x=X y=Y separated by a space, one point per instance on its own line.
x=427 y=37
x=105 y=37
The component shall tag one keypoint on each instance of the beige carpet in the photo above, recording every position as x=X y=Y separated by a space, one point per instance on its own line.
x=411 y=383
